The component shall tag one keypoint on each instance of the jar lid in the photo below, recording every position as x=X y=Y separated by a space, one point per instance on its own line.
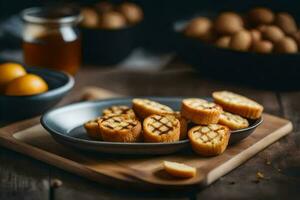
x=52 y=15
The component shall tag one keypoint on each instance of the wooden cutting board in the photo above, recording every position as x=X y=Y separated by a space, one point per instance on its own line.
x=29 y=138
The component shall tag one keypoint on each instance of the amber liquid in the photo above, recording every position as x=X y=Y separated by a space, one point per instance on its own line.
x=52 y=51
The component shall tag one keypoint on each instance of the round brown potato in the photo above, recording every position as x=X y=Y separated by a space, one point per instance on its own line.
x=272 y=33
x=260 y=15
x=241 y=41
x=228 y=23
x=200 y=27
x=261 y=28
x=262 y=46
x=286 y=45
x=296 y=37
x=103 y=6
x=112 y=20
x=223 y=42
x=90 y=18
x=286 y=22
x=132 y=12
x=255 y=34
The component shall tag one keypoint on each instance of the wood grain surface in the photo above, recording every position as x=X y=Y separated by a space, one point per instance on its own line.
x=25 y=178
x=139 y=171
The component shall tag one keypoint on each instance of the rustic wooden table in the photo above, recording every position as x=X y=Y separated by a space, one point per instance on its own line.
x=24 y=178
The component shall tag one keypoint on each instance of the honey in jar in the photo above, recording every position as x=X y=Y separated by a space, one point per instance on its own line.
x=51 y=39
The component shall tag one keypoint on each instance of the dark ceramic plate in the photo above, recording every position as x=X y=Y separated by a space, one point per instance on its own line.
x=65 y=125
x=13 y=108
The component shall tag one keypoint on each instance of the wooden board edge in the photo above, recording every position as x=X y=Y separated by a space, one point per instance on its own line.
x=9 y=142
x=247 y=154
x=10 y=129
x=66 y=164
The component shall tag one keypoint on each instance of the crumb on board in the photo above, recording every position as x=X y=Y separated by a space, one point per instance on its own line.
x=260 y=175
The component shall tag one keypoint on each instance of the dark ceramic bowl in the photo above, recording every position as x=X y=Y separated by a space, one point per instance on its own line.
x=260 y=70
x=13 y=108
x=109 y=47
x=65 y=125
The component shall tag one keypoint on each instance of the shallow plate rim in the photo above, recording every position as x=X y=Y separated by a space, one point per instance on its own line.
x=43 y=121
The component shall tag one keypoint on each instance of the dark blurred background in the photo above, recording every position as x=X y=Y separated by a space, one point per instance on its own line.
x=159 y=16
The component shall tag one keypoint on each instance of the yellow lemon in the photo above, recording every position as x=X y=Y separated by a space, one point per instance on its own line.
x=29 y=84
x=9 y=72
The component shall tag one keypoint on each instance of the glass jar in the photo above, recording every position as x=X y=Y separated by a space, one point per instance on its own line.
x=51 y=39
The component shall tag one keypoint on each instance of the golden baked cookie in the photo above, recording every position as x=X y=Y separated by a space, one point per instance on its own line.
x=118 y=110
x=120 y=128
x=145 y=107
x=179 y=169
x=183 y=125
x=161 y=128
x=200 y=111
x=238 y=104
x=209 y=140
x=92 y=128
x=233 y=121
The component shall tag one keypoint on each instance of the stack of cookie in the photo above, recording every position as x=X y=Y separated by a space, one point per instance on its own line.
x=215 y=120
x=150 y=121
x=147 y=120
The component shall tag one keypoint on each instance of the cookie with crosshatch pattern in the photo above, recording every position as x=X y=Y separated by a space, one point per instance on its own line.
x=209 y=140
x=238 y=104
x=161 y=128
x=120 y=128
x=233 y=121
x=92 y=128
x=200 y=111
x=145 y=107
x=118 y=110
